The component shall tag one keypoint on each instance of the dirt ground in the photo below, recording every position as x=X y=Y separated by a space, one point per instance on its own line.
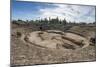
x=30 y=47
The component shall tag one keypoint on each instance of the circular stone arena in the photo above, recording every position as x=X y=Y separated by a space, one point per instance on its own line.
x=54 y=39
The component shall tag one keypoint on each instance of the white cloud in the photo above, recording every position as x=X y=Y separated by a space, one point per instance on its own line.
x=69 y=12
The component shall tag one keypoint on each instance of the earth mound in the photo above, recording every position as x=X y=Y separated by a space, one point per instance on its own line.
x=54 y=39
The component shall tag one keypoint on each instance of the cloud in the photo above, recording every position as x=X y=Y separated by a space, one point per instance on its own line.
x=76 y=13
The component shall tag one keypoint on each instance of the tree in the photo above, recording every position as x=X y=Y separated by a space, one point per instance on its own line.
x=64 y=22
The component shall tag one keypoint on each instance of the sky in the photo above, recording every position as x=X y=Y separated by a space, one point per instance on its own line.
x=39 y=10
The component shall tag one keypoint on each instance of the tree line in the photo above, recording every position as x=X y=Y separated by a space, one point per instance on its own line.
x=50 y=21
